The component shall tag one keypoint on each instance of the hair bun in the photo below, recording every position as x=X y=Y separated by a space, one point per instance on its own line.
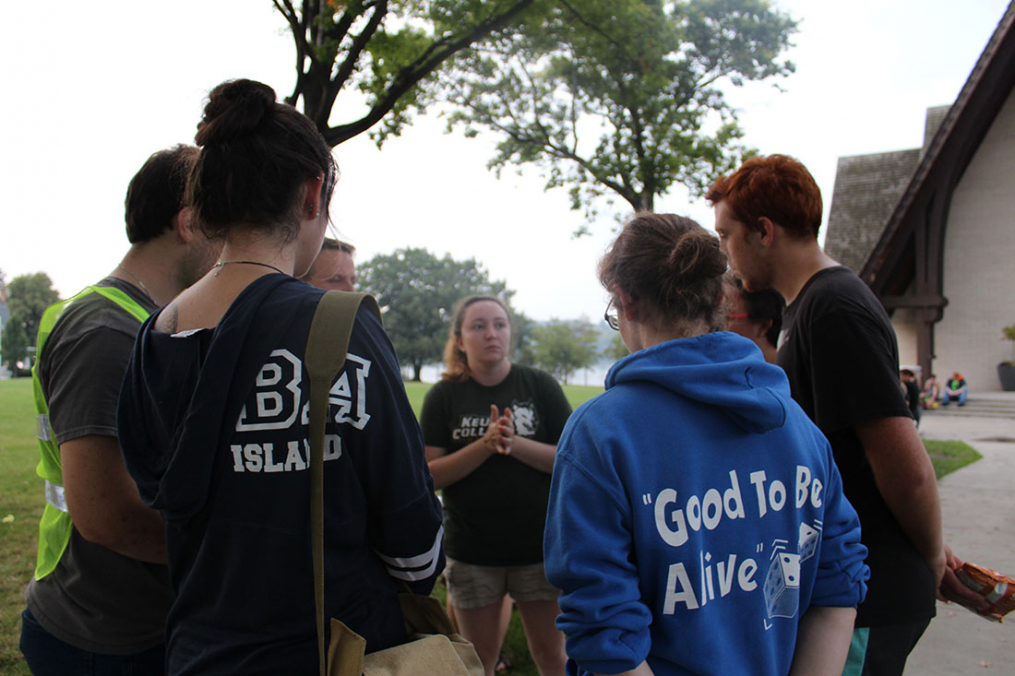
x=235 y=108
x=697 y=254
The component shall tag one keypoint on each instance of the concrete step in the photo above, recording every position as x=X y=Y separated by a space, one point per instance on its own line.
x=977 y=408
x=971 y=413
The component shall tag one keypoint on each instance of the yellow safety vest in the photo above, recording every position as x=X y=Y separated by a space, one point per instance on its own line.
x=55 y=527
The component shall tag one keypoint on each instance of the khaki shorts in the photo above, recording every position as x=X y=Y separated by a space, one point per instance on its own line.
x=472 y=586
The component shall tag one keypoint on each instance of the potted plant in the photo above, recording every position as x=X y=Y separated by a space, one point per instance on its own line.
x=1006 y=369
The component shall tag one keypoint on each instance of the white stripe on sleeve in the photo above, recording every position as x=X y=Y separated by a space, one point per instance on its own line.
x=407 y=568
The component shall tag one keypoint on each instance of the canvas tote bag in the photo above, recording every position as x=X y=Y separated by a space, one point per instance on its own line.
x=433 y=647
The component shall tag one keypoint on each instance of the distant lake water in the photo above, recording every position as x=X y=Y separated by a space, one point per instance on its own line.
x=593 y=377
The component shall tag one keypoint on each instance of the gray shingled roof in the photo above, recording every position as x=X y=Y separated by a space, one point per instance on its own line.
x=935 y=116
x=867 y=188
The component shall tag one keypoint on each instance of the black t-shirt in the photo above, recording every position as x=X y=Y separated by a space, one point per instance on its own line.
x=956 y=383
x=497 y=514
x=838 y=349
x=913 y=398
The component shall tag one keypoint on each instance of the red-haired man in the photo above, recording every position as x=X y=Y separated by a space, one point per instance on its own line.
x=839 y=350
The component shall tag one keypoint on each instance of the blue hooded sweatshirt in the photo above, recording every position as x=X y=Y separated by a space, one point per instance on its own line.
x=695 y=515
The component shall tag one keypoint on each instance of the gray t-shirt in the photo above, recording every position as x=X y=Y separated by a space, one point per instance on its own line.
x=95 y=599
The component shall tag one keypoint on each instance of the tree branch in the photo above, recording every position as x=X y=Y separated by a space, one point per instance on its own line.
x=593 y=27
x=297 y=28
x=359 y=44
x=412 y=74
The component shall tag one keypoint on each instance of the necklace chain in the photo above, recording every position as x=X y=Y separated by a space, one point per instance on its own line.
x=136 y=279
x=239 y=262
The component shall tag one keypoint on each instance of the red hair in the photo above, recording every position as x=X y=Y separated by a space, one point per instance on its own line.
x=777 y=187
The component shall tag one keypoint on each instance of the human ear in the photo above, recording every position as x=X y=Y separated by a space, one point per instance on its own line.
x=312 y=197
x=185 y=225
x=628 y=305
x=766 y=231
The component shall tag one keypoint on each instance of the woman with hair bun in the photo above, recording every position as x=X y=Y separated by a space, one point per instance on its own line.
x=696 y=523
x=491 y=429
x=213 y=420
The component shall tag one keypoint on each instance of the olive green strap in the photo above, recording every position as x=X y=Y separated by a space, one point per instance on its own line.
x=324 y=358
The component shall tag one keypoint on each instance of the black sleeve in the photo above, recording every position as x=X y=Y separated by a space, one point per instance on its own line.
x=556 y=407
x=433 y=418
x=854 y=371
x=406 y=518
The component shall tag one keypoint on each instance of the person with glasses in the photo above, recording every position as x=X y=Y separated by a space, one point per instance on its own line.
x=840 y=353
x=696 y=523
x=491 y=429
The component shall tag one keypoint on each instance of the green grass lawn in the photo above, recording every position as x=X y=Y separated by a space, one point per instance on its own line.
x=21 y=502
x=948 y=456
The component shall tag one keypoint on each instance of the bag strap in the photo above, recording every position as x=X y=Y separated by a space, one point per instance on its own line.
x=325 y=355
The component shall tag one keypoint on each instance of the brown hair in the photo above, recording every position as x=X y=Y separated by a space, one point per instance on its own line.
x=763 y=305
x=333 y=244
x=156 y=193
x=256 y=155
x=455 y=362
x=777 y=187
x=671 y=263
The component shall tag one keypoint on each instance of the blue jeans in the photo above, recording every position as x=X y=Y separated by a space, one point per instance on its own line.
x=46 y=654
x=947 y=399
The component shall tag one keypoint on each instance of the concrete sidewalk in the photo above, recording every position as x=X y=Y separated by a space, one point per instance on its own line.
x=978 y=506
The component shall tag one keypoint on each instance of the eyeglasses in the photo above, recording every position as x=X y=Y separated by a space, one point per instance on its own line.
x=611 y=316
x=737 y=315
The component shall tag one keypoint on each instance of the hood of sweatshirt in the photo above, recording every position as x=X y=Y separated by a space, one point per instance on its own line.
x=182 y=393
x=721 y=369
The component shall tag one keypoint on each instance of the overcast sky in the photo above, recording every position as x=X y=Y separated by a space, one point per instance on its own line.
x=91 y=89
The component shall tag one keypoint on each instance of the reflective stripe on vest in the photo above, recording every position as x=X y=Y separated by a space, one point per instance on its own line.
x=43 y=430
x=55 y=526
x=55 y=496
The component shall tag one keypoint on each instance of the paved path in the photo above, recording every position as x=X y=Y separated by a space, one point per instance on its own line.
x=978 y=505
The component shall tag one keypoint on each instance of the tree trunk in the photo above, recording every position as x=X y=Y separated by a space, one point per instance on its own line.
x=647 y=199
x=417 y=367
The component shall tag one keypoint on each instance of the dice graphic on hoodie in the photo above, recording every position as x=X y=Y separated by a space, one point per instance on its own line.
x=807 y=544
x=782 y=586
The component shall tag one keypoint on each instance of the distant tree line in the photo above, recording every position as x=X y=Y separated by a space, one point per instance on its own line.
x=417 y=292
x=28 y=296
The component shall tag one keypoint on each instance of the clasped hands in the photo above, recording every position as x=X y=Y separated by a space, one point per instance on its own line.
x=500 y=432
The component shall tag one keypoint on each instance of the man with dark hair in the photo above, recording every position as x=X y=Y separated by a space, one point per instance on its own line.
x=334 y=269
x=101 y=590
x=839 y=350
x=757 y=315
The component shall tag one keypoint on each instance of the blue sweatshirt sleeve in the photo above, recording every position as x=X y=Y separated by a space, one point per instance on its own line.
x=842 y=573
x=589 y=555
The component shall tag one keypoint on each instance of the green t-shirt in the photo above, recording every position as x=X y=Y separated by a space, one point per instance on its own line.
x=496 y=515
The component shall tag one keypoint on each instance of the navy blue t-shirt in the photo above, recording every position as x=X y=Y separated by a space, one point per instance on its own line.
x=214 y=428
